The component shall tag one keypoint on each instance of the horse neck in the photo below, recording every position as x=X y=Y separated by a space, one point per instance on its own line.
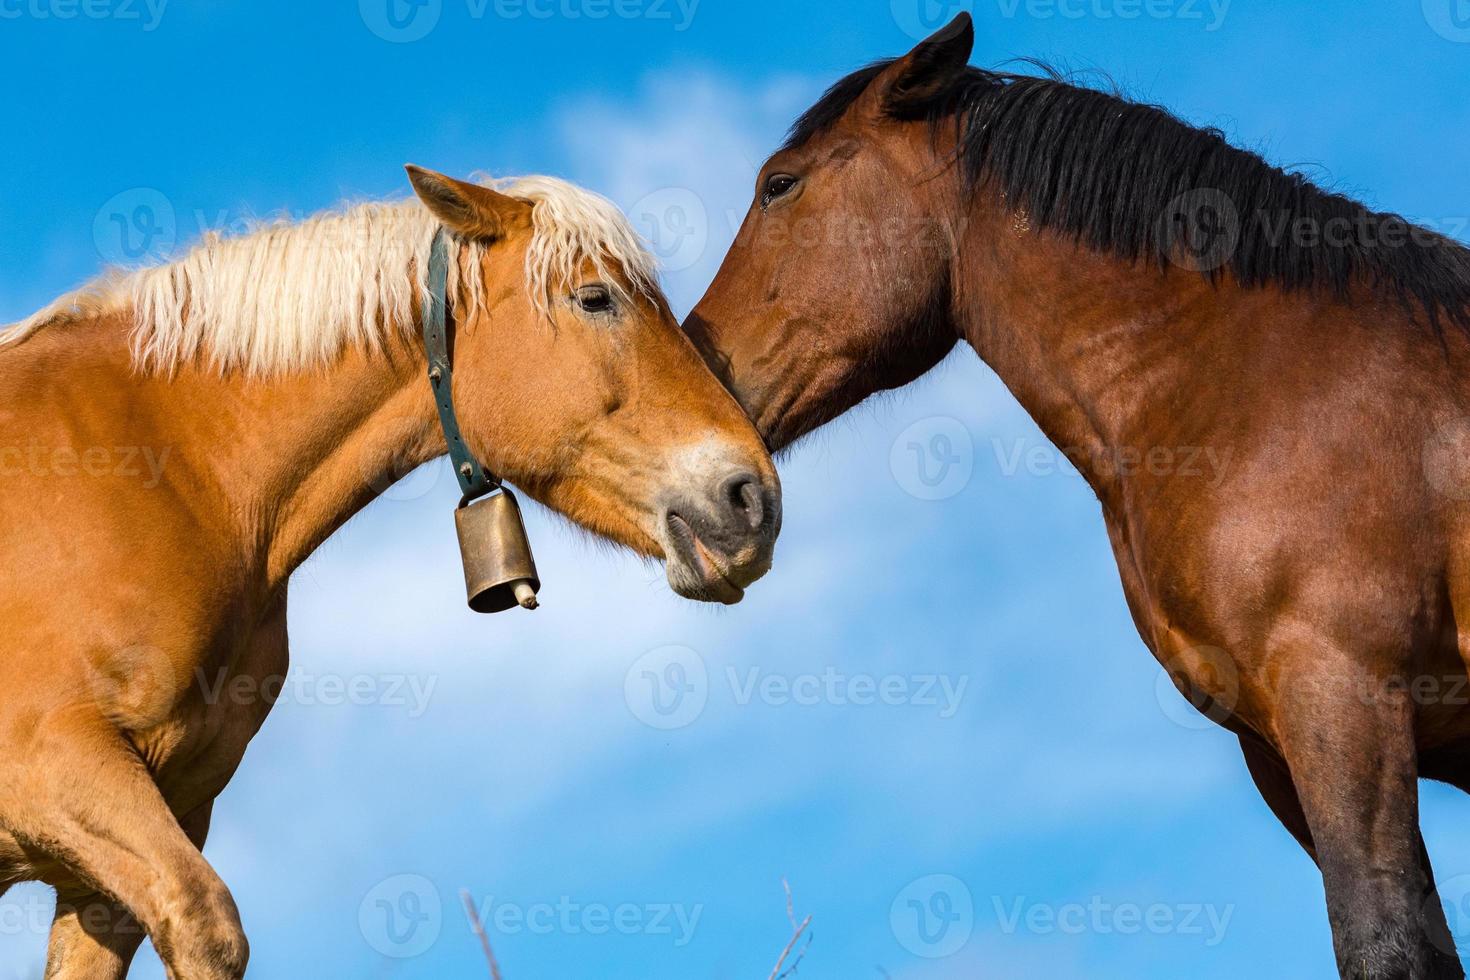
x=367 y=422
x=285 y=461
x=1102 y=353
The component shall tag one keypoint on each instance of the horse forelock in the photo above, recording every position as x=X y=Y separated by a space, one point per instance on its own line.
x=285 y=296
x=574 y=225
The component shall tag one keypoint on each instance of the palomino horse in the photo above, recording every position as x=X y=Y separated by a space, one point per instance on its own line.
x=280 y=381
x=1310 y=601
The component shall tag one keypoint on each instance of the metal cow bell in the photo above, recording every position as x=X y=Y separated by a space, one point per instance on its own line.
x=499 y=572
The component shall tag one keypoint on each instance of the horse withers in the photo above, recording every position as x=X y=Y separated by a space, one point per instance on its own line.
x=278 y=382
x=1141 y=285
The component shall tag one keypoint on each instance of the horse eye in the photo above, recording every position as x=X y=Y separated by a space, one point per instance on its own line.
x=594 y=299
x=777 y=186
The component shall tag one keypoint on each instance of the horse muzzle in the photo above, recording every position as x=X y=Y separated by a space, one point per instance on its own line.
x=717 y=544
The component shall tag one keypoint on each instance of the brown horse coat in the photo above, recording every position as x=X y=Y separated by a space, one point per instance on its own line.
x=1127 y=277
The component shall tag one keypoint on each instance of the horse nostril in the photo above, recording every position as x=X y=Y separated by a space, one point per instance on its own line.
x=746 y=499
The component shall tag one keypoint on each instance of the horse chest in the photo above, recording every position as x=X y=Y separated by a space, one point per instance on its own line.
x=195 y=750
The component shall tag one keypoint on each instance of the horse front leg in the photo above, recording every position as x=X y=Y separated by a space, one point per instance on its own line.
x=87 y=802
x=92 y=937
x=1274 y=781
x=95 y=938
x=1349 y=748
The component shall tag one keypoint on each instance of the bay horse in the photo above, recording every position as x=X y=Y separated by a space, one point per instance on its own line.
x=1142 y=286
x=279 y=381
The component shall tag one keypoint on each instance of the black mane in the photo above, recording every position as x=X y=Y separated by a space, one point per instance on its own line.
x=1113 y=173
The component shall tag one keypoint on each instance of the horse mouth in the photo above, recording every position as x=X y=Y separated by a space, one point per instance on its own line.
x=694 y=570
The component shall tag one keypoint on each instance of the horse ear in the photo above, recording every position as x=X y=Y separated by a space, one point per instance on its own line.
x=930 y=68
x=471 y=210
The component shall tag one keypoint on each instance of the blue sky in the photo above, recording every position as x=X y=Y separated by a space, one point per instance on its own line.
x=934 y=717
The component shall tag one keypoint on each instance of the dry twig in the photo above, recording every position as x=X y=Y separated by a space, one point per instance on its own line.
x=797 y=930
x=479 y=928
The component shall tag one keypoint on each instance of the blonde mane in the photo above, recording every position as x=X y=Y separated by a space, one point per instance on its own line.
x=287 y=297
